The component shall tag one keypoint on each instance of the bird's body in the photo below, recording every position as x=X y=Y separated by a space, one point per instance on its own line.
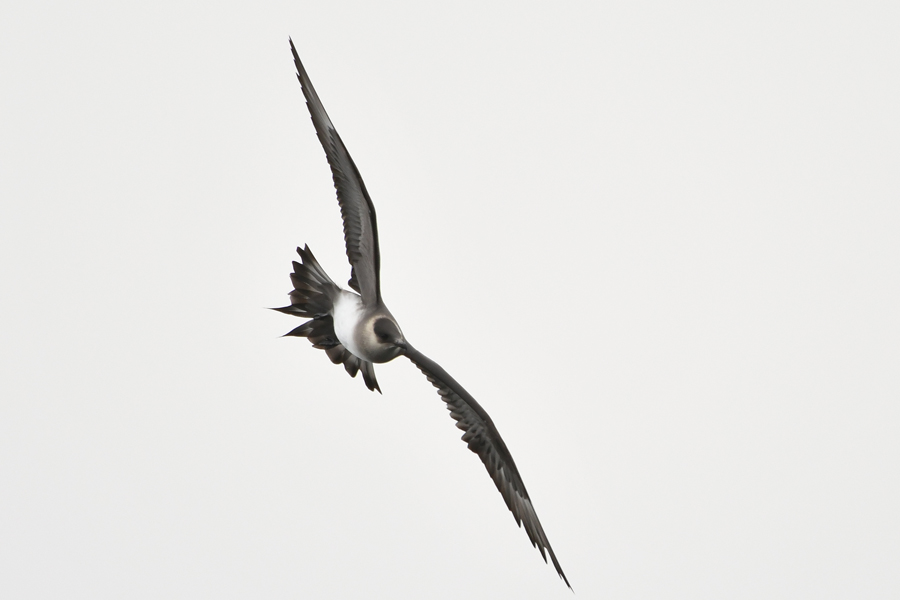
x=350 y=323
x=354 y=326
x=356 y=329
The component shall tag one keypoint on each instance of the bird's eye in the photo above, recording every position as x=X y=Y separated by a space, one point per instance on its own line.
x=385 y=330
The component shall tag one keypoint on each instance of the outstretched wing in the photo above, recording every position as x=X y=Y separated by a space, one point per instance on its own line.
x=485 y=441
x=357 y=211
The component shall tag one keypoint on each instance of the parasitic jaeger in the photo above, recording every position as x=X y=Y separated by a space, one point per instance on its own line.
x=357 y=330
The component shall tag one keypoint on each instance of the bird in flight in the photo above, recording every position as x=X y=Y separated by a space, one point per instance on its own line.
x=357 y=330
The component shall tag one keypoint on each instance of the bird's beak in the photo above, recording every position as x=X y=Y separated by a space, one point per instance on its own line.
x=402 y=345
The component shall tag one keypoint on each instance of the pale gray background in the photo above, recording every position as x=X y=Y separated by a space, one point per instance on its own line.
x=657 y=240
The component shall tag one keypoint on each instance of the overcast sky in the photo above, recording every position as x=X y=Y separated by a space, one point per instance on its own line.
x=657 y=241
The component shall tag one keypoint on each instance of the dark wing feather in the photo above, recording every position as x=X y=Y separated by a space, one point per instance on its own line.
x=357 y=211
x=484 y=440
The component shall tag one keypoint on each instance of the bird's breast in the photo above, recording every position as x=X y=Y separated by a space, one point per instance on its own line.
x=348 y=315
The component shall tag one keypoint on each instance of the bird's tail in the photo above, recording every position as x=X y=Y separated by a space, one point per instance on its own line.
x=313 y=297
x=314 y=292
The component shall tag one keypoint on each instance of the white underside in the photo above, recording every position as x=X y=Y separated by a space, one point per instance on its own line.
x=348 y=311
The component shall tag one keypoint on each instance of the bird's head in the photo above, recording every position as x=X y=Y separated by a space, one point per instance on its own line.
x=389 y=335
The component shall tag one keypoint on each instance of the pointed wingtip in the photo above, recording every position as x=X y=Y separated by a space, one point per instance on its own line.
x=559 y=570
x=296 y=56
x=569 y=585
